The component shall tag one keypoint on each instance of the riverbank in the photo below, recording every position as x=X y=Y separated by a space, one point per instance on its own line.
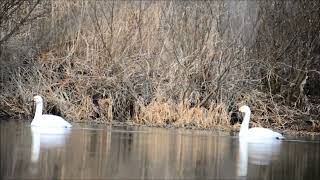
x=232 y=130
x=167 y=114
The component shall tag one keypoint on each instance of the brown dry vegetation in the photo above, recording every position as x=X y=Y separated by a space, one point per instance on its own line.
x=176 y=63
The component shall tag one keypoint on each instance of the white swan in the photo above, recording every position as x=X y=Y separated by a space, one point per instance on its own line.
x=255 y=133
x=46 y=120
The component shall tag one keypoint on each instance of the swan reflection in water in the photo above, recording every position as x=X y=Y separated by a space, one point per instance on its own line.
x=257 y=153
x=47 y=138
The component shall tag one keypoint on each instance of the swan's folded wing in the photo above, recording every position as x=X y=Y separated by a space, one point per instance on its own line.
x=263 y=133
x=54 y=121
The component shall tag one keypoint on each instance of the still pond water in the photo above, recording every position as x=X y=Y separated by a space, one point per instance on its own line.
x=126 y=152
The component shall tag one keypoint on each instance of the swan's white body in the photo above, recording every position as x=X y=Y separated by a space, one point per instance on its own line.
x=46 y=120
x=255 y=133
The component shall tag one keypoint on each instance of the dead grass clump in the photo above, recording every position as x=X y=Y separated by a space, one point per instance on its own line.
x=83 y=110
x=164 y=113
x=106 y=109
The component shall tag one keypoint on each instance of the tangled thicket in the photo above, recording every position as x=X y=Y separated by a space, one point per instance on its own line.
x=180 y=63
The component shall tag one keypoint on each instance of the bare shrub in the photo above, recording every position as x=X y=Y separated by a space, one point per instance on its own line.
x=180 y=63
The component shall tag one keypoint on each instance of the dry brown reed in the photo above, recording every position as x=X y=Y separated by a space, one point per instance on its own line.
x=168 y=113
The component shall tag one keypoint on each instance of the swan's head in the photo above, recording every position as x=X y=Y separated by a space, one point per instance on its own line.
x=244 y=109
x=37 y=99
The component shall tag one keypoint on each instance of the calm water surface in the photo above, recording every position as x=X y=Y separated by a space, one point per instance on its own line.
x=123 y=152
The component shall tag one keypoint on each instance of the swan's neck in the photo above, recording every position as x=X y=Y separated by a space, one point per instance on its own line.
x=38 y=113
x=245 y=123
